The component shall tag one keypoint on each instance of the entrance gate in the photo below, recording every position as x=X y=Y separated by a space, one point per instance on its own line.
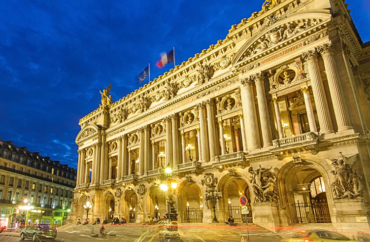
x=194 y=215
x=316 y=212
x=236 y=213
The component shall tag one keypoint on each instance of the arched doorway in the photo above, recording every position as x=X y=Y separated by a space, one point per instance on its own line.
x=233 y=190
x=157 y=206
x=110 y=206
x=131 y=201
x=303 y=191
x=192 y=204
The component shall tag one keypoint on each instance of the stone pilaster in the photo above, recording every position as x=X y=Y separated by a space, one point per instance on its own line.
x=222 y=140
x=211 y=129
x=335 y=92
x=109 y=168
x=249 y=111
x=125 y=156
x=175 y=140
x=278 y=118
x=183 y=146
x=119 y=159
x=242 y=130
x=103 y=158
x=147 y=152
x=309 y=109
x=199 y=145
x=169 y=157
x=263 y=111
x=129 y=165
x=322 y=107
x=78 y=169
x=141 y=152
x=153 y=155
x=203 y=134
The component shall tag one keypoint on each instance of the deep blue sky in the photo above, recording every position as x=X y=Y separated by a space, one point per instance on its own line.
x=56 y=55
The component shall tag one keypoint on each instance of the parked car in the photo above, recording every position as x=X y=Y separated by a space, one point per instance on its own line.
x=318 y=236
x=42 y=232
x=2 y=228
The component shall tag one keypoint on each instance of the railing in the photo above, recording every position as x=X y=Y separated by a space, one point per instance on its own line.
x=5 y=201
x=84 y=185
x=295 y=139
x=108 y=182
x=153 y=172
x=193 y=164
x=130 y=177
x=232 y=156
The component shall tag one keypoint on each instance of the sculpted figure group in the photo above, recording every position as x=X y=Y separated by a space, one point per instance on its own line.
x=263 y=184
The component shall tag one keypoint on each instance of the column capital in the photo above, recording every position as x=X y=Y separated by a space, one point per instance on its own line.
x=274 y=99
x=258 y=77
x=209 y=102
x=247 y=81
x=240 y=115
x=305 y=90
x=325 y=49
x=356 y=71
x=310 y=55
x=220 y=122
x=346 y=50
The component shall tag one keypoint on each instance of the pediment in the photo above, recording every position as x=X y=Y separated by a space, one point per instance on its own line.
x=279 y=34
x=87 y=132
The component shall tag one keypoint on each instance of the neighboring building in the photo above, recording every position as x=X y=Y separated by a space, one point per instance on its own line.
x=278 y=111
x=47 y=185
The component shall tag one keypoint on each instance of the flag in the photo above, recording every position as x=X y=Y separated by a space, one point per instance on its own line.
x=165 y=59
x=143 y=75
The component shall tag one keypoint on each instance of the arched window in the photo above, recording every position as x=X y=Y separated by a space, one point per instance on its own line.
x=317 y=186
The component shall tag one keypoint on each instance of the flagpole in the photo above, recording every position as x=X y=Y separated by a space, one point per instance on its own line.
x=174 y=59
x=149 y=72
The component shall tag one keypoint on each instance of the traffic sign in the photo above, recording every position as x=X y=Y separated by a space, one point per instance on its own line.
x=243 y=200
x=245 y=210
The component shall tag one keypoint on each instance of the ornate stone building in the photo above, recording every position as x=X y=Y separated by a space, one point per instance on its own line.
x=46 y=184
x=278 y=111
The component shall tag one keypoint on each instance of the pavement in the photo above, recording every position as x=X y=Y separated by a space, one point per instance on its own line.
x=149 y=233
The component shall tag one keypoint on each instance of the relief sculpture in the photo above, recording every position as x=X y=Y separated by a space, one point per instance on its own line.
x=263 y=184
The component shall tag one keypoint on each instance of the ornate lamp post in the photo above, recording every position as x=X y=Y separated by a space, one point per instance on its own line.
x=227 y=138
x=87 y=207
x=169 y=188
x=212 y=194
x=190 y=148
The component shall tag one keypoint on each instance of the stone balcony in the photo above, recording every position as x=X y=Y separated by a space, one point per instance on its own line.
x=307 y=141
x=233 y=159
x=155 y=172
x=109 y=182
x=83 y=186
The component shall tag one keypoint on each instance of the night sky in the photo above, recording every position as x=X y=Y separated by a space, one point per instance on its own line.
x=56 y=55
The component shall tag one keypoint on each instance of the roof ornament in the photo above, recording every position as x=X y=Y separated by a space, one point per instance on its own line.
x=106 y=99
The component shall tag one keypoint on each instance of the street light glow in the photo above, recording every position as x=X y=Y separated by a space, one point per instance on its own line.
x=163 y=187
x=174 y=185
x=168 y=170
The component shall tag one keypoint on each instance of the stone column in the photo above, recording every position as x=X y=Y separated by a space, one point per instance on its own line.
x=322 y=108
x=249 y=111
x=125 y=156
x=141 y=152
x=242 y=130
x=169 y=157
x=334 y=87
x=278 y=118
x=203 y=134
x=86 y=177
x=237 y=139
x=109 y=168
x=83 y=164
x=309 y=109
x=147 y=149
x=183 y=146
x=129 y=165
x=175 y=141
x=78 y=182
x=153 y=155
x=222 y=140
x=264 y=111
x=119 y=159
x=199 y=145
x=211 y=129
x=103 y=161
x=346 y=57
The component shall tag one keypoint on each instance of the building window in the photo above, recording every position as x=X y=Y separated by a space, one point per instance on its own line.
x=13 y=156
x=19 y=183
x=21 y=169
x=1 y=194
x=51 y=201
x=27 y=185
x=33 y=186
x=46 y=189
x=45 y=200
x=21 y=160
x=51 y=190
x=5 y=164
x=28 y=162
x=17 y=196
x=52 y=171
x=38 y=199
x=40 y=187
x=9 y=196
x=32 y=197
x=2 y=179
x=25 y=195
x=11 y=181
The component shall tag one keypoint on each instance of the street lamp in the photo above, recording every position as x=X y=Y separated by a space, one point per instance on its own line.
x=87 y=206
x=213 y=195
x=227 y=138
x=169 y=188
x=189 y=148
x=161 y=156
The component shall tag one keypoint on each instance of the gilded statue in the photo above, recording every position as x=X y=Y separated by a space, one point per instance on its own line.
x=270 y=3
x=106 y=99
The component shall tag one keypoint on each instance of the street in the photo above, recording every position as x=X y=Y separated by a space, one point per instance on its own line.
x=141 y=233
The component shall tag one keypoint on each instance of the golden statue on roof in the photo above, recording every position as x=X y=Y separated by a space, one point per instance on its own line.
x=106 y=99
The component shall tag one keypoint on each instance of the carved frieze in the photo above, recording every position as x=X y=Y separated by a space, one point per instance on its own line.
x=263 y=183
x=86 y=133
x=205 y=73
